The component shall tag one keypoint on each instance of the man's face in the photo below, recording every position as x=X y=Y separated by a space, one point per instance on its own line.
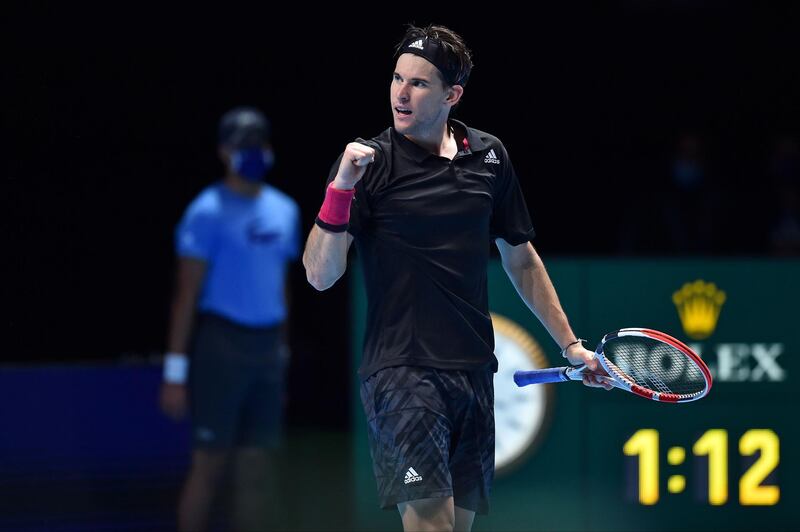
x=418 y=97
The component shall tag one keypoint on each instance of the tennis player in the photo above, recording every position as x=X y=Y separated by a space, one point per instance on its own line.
x=423 y=201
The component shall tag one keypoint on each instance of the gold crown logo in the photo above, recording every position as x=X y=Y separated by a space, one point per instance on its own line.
x=699 y=304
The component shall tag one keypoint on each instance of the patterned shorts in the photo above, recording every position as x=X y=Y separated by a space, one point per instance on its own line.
x=431 y=434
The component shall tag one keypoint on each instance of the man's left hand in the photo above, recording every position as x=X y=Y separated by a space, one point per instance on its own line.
x=595 y=377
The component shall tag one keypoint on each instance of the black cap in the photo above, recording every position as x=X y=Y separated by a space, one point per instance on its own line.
x=244 y=127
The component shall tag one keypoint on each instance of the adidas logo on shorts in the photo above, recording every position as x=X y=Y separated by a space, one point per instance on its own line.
x=412 y=476
x=491 y=158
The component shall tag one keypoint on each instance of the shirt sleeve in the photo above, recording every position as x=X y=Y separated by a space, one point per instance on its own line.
x=195 y=234
x=510 y=218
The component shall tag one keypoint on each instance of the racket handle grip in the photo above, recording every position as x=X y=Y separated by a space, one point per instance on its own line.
x=541 y=376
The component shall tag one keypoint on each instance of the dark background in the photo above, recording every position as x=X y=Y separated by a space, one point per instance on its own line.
x=110 y=122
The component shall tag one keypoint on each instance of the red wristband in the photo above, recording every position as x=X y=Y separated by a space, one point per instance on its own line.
x=335 y=210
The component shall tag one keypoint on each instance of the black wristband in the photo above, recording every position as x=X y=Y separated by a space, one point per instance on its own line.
x=332 y=228
x=564 y=351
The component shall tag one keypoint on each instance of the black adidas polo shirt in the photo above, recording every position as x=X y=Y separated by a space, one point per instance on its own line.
x=423 y=226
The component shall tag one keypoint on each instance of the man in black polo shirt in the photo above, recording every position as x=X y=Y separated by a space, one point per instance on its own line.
x=423 y=201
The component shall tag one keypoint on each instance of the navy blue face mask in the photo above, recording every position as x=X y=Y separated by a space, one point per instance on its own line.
x=252 y=163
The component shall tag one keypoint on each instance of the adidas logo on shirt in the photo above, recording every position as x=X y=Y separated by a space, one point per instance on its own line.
x=491 y=158
x=412 y=476
x=416 y=44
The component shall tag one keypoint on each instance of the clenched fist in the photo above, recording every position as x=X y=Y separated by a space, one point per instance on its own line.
x=354 y=163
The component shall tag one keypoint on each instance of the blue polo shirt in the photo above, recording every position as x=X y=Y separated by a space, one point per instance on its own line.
x=247 y=243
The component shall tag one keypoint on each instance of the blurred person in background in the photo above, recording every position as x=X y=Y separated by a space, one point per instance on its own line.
x=784 y=236
x=784 y=170
x=691 y=203
x=227 y=353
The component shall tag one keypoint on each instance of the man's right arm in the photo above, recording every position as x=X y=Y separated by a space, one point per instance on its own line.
x=190 y=276
x=325 y=255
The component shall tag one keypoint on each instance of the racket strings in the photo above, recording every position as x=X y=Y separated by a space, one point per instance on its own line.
x=655 y=365
x=658 y=385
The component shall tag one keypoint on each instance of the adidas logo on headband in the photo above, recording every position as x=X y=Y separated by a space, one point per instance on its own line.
x=436 y=52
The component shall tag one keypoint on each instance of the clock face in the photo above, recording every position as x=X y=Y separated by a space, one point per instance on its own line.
x=521 y=414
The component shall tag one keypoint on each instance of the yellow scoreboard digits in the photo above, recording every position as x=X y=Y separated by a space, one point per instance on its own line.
x=644 y=445
x=714 y=444
x=751 y=492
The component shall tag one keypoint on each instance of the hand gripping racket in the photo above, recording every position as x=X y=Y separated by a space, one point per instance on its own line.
x=649 y=363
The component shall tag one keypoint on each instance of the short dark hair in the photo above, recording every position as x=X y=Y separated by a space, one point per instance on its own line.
x=459 y=57
x=243 y=127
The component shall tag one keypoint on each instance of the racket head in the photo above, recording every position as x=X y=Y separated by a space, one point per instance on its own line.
x=654 y=365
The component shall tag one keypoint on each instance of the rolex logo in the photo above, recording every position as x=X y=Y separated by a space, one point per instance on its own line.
x=698 y=306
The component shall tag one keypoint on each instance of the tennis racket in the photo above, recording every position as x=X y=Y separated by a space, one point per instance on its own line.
x=645 y=362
